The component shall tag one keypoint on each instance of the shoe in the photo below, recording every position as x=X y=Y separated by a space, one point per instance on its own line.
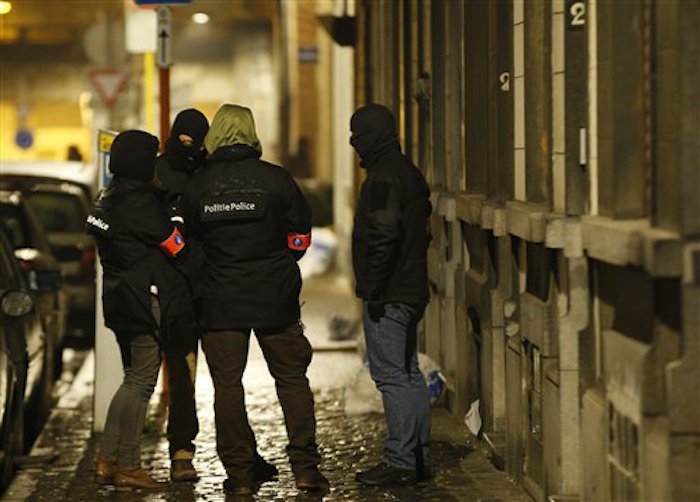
x=127 y=479
x=312 y=480
x=238 y=487
x=263 y=470
x=384 y=474
x=104 y=469
x=182 y=470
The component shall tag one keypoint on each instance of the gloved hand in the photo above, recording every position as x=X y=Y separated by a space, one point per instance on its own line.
x=376 y=311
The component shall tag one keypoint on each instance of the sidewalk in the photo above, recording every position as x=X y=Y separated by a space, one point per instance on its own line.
x=462 y=470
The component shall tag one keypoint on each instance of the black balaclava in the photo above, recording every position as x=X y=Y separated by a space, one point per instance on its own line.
x=373 y=133
x=133 y=155
x=187 y=158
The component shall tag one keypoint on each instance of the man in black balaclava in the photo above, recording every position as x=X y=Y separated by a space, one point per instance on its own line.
x=389 y=245
x=184 y=155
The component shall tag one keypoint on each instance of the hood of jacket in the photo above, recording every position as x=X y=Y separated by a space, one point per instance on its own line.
x=373 y=134
x=133 y=155
x=232 y=125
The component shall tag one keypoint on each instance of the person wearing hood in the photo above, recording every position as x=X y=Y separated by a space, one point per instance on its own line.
x=139 y=248
x=184 y=155
x=254 y=224
x=389 y=247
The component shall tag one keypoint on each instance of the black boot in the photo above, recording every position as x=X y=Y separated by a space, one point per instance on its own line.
x=263 y=470
x=384 y=474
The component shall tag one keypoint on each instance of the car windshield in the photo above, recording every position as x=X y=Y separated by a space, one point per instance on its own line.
x=58 y=212
x=15 y=225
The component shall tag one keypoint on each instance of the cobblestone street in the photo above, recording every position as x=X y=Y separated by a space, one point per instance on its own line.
x=461 y=467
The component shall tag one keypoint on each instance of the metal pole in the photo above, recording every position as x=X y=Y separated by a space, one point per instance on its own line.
x=164 y=78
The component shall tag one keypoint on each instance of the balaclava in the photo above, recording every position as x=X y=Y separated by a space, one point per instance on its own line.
x=373 y=133
x=194 y=124
x=133 y=155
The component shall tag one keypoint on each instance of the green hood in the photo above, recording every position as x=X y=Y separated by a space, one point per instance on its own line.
x=232 y=125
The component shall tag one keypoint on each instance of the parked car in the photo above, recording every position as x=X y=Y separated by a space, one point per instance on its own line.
x=43 y=273
x=22 y=357
x=60 y=194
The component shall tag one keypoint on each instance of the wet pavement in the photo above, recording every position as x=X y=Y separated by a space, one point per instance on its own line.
x=347 y=443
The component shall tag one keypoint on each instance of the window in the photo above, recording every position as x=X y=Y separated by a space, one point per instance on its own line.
x=15 y=226
x=58 y=212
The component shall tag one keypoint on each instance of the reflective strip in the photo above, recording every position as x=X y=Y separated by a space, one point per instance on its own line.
x=173 y=244
x=299 y=242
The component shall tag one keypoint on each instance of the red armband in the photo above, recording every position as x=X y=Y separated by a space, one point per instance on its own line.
x=173 y=244
x=299 y=242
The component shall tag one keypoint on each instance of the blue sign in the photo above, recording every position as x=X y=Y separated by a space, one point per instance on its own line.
x=162 y=2
x=24 y=139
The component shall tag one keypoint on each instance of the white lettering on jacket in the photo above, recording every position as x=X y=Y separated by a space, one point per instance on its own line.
x=98 y=222
x=229 y=207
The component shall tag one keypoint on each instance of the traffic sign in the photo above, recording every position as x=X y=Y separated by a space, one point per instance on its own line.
x=24 y=139
x=162 y=2
x=104 y=145
x=165 y=52
x=109 y=84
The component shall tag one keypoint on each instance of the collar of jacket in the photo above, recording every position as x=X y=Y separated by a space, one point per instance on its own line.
x=234 y=153
x=388 y=155
x=127 y=184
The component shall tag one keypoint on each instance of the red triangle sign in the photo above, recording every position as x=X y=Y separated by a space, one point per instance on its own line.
x=109 y=84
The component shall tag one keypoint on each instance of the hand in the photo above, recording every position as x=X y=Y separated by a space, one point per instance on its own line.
x=376 y=311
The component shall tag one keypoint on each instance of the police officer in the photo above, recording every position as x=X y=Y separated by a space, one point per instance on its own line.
x=254 y=225
x=389 y=245
x=184 y=155
x=138 y=246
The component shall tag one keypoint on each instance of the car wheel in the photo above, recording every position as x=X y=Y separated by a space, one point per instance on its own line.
x=10 y=423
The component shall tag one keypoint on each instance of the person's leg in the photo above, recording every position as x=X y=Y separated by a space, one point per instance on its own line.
x=227 y=354
x=136 y=391
x=420 y=401
x=109 y=444
x=181 y=358
x=288 y=354
x=399 y=381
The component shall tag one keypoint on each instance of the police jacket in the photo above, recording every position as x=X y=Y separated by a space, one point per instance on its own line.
x=254 y=224
x=391 y=233
x=138 y=246
x=172 y=181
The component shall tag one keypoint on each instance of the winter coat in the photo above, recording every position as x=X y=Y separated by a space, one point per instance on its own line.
x=253 y=223
x=391 y=227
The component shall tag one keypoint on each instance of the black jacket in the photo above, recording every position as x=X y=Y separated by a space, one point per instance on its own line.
x=138 y=246
x=391 y=232
x=172 y=181
x=254 y=224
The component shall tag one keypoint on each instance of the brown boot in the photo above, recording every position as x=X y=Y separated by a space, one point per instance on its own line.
x=312 y=480
x=183 y=470
x=104 y=469
x=127 y=478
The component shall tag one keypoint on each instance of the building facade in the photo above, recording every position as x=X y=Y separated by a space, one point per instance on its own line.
x=561 y=141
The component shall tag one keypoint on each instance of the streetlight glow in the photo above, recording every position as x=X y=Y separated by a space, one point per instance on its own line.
x=200 y=18
x=5 y=7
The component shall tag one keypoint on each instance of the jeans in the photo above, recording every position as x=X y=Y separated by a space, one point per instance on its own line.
x=181 y=362
x=288 y=354
x=393 y=364
x=127 y=411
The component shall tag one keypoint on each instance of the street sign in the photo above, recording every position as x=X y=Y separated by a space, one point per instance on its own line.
x=104 y=144
x=109 y=84
x=24 y=139
x=162 y=2
x=165 y=52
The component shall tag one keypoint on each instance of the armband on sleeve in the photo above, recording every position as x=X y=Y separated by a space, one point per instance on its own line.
x=299 y=242
x=173 y=244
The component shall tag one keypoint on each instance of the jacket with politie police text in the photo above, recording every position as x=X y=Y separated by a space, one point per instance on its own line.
x=253 y=223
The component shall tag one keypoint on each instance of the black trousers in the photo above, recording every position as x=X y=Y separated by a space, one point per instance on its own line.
x=181 y=362
x=288 y=354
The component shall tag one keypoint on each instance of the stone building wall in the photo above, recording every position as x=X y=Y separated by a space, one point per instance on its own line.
x=561 y=141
